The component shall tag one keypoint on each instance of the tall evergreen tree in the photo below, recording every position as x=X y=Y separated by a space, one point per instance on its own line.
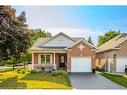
x=90 y=40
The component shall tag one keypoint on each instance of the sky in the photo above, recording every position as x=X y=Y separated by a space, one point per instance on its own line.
x=78 y=21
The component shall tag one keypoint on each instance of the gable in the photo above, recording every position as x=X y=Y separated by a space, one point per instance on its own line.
x=80 y=49
x=82 y=41
x=59 y=41
x=82 y=46
x=122 y=52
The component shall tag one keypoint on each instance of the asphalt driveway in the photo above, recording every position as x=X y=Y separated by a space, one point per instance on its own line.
x=92 y=81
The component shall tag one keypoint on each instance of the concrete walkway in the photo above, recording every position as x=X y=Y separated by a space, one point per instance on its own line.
x=92 y=81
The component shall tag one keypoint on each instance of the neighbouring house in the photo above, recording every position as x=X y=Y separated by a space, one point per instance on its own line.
x=74 y=54
x=112 y=55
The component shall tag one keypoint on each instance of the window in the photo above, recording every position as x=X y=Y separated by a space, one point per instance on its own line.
x=42 y=59
x=62 y=59
x=45 y=59
x=48 y=59
x=114 y=56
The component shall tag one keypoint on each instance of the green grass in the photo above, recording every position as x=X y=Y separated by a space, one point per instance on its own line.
x=119 y=79
x=6 y=69
x=12 y=83
x=62 y=79
x=9 y=69
x=14 y=80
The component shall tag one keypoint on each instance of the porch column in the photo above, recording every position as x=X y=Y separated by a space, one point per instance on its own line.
x=45 y=57
x=32 y=66
x=54 y=64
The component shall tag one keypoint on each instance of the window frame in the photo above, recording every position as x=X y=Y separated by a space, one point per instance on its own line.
x=45 y=61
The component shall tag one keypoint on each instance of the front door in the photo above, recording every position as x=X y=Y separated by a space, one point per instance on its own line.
x=62 y=60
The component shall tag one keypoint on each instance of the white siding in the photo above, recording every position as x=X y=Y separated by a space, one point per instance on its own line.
x=120 y=65
x=60 y=41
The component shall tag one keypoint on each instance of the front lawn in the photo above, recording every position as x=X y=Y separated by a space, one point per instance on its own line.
x=119 y=79
x=6 y=69
x=14 y=80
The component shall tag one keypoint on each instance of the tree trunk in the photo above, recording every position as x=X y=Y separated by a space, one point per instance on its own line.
x=24 y=66
x=13 y=65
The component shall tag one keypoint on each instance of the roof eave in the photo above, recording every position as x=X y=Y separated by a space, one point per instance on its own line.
x=61 y=33
x=107 y=50
x=78 y=42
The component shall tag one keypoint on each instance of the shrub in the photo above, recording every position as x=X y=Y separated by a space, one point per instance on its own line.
x=50 y=71
x=41 y=71
x=42 y=68
x=59 y=72
x=18 y=70
x=54 y=73
x=23 y=71
x=100 y=69
x=33 y=71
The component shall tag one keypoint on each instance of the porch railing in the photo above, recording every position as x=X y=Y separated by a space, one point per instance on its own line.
x=46 y=66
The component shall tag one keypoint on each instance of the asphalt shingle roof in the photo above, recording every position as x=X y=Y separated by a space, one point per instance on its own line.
x=113 y=43
x=40 y=41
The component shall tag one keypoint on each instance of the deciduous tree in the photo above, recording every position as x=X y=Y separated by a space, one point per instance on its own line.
x=14 y=36
x=107 y=36
x=39 y=33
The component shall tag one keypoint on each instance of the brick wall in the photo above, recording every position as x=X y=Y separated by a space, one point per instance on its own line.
x=35 y=58
x=75 y=51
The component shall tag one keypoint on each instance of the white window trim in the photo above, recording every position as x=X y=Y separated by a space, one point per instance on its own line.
x=39 y=58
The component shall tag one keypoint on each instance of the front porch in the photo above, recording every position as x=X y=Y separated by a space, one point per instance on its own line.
x=54 y=60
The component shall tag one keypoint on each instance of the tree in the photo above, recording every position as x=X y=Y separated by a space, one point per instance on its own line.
x=107 y=36
x=26 y=58
x=90 y=40
x=39 y=33
x=22 y=17
x=14 y=37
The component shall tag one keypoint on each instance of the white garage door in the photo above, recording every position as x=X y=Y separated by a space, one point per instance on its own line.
x=120 y=65
x=81 y=64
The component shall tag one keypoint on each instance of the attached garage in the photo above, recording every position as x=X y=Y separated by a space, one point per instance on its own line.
x=120 y=65
x=81 y=64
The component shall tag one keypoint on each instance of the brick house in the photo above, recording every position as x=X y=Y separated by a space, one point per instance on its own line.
x=112 y=55
x=74 y=54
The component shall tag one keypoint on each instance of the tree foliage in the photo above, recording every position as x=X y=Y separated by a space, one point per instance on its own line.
x=90 y=40
x=107 y=36
x=14 y=36
x=26 y=57
x=39 y=33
